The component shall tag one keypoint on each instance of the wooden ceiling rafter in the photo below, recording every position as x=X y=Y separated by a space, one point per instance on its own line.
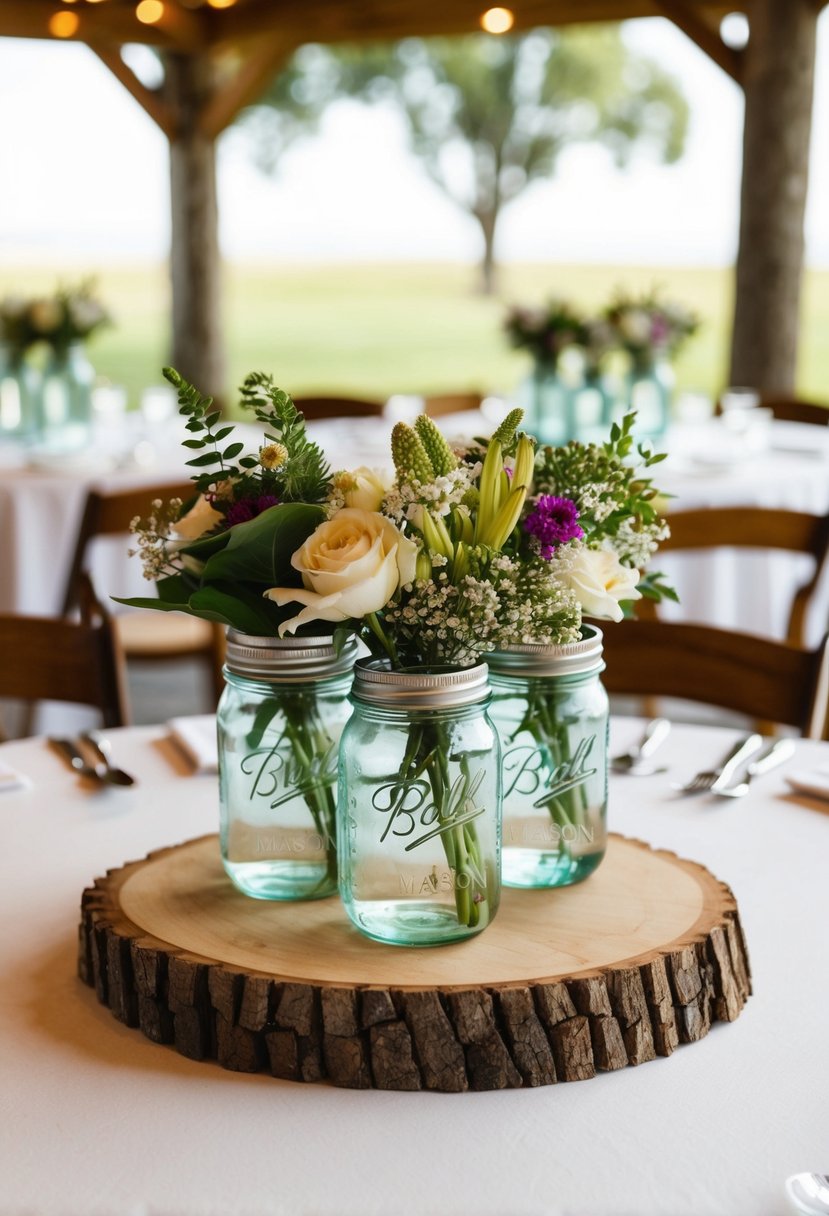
x=688 y=19
x=150 y=100
x=248 y=82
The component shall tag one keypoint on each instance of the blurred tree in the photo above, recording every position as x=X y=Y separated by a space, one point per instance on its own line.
x=486 y=115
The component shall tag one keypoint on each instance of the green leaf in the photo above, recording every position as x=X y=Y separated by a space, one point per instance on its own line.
x=223 y=433
x=159 y=605
x=206 y=458
x=233 y=450
x=193 y=443
x=260 y=551
x=206 y=546
x=247 y=611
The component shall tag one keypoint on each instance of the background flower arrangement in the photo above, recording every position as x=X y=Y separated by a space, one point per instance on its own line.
x=646 y=329
x=71 y=315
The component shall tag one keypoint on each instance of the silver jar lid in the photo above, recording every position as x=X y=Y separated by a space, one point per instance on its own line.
x=422 y=688
x=289 y=660
x=539 y=659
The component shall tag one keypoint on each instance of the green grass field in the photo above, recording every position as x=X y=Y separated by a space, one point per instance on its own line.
x=410 y=328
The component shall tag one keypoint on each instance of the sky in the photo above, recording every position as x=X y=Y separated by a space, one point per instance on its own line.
x=84 y=174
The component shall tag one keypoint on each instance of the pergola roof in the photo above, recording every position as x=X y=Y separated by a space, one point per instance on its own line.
x=194 y=25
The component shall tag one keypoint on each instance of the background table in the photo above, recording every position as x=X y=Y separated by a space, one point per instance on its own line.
x=98 y=1120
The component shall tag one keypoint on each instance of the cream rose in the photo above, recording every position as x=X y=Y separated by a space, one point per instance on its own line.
x=350 y=566
x=201 y=518
x=600 y=582
x=365 y=489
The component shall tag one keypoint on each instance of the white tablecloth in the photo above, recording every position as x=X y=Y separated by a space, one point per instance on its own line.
x=99 y=1121
x=739 y=589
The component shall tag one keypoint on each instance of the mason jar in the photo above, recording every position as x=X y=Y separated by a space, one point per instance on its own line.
x=551 y=712
x=419 y=816
x=66 y=399
x=279 y=721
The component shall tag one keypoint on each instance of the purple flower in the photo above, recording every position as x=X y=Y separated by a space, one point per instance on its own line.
x=248 y=508
x=553 y=522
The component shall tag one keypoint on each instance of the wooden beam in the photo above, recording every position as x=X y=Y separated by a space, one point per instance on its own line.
x=104 y=24
x=149 y=100
x=707 y=39
x=331 y=21
x=249 y=81
x=185 y=29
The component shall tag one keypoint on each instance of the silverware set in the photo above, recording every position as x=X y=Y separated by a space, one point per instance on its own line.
x=750 y=757
x=89 y=757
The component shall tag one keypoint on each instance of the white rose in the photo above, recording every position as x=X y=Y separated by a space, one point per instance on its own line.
x=45 y=316
x=635 y=326
x=350 y=566
x=370 y=487
x=202 y=517
x=600 y=582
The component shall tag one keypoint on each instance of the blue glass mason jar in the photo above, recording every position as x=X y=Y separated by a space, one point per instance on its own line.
x=65 y=421
x=279 y=723
x=18 y=396
x=551 y=712
x=419 y=813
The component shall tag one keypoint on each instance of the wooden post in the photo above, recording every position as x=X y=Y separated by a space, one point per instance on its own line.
x=779 y=84
x=197 y=341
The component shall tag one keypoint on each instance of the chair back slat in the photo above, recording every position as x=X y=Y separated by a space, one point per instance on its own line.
x=760 y=528
x=315 y=408
x=46 y=659
x=738 y=672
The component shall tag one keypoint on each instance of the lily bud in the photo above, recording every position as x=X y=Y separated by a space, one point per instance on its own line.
x=410 y=457
x=441 y=456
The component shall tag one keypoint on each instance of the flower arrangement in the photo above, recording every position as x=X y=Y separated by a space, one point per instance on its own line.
x=648 y=328
x=72 y=314
x=546 y=331
x=464 y=550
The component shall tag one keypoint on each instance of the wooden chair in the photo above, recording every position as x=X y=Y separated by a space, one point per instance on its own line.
x=752 y=528
x=790 y=409
x=47 y=659
x=145 y=636
x=451 y=403
x=766 y=680
x=315 y=408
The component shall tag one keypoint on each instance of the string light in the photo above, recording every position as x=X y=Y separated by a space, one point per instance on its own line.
x=149 y=12
x=221 y=3
x=497 y=20
x=64 y=24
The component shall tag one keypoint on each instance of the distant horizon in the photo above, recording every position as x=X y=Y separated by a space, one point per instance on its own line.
x=86 y=177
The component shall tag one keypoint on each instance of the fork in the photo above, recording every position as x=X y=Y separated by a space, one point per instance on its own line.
x=711 y=779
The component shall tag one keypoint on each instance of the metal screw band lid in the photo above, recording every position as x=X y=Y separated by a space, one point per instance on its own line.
x=419 y=688
x=537 y=659
x=287 y=660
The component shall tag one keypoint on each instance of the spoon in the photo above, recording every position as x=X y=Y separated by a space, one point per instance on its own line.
x=782 y=750
x=635 y=762
x=808 y=1194
x=104 y=769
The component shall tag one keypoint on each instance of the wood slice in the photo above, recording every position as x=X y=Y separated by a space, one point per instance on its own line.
x=645 y=955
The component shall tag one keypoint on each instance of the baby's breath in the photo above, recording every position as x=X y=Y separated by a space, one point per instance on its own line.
x=155 y=544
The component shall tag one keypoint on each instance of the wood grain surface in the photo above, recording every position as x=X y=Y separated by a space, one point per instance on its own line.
x=644 y=955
